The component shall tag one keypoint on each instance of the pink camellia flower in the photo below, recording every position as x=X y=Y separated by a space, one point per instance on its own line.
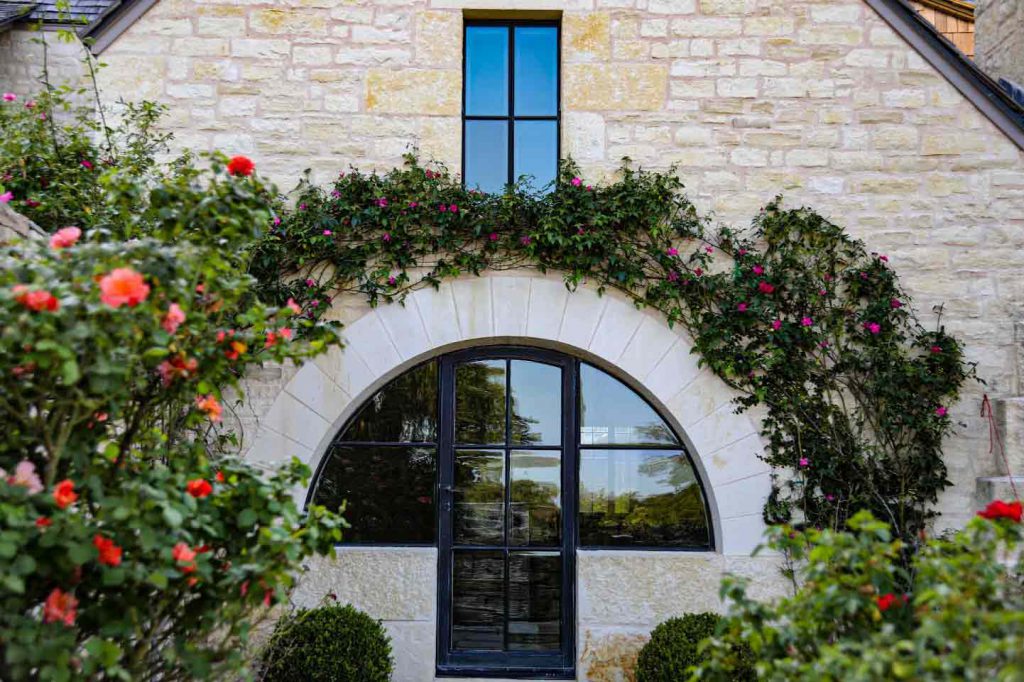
x=442 y=208
x=940 y=411
x=65 y=237
x=31 y=104
x=293 y=306
x=454 y=208
x=590 y=188
x=936 y=349
x=758 y=269
x=673 y=276
x=776 y=325
x=896 y=303
x=576 y=182
x=709 y=249
x=310 y=282
x=123 y=286
x=742 y=307
x=580 y=230
x=86 y=164
x=10 y=97
x=277 y=220
x=883 y=258
x=765 y=287
x=873 y=327
x=804 y=462
x=823 y=344
x=25 y=475
x=493 y=236
x=37 y=300
x=386 y=237
x=672 y=251
x=741 y=252
x=392 y=280
x=382 y=202
x=806 y=322
x=413 y=204
x=173 y=319
x=698 y=272
x=327 y=233
x=6 y=197
x=525 y=240
x=822 y=292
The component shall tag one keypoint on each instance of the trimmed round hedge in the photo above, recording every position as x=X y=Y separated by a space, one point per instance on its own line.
x=674 y=648
x=328 y=644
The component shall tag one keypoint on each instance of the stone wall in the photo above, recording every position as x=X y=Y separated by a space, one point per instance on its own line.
x=21 y=61
x=999 y=27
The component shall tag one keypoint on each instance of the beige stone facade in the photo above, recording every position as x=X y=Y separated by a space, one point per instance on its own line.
x=817 y=99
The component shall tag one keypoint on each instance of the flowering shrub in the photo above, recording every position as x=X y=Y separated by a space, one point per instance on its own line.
x=852 y=616
x=132 y=544
x=798 y=317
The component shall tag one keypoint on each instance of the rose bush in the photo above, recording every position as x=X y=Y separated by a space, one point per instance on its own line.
x=853 y=617
x=133 y=544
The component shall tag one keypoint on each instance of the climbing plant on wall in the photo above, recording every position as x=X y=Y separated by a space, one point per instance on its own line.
x=805 y=323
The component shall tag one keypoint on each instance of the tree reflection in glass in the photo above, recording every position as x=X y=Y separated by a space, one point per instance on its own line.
x=479 y=517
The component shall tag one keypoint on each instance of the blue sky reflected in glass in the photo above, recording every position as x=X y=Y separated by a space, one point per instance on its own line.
x=536 y=77
x=487 y=71
x=486 y=155
x=611 y=412
x=536 y=152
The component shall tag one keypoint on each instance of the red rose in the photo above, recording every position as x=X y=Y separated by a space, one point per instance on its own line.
x=37 y=300
x=764 y=287
x=1002 y=510
x=199 y=487
x=43 y=522
x=110 y=553
x=64 y=493
x=60 y=608
x=241 y=165
x=886 y=601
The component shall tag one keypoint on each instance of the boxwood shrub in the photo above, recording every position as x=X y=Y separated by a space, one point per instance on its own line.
x=330 y=643
x=675 y=646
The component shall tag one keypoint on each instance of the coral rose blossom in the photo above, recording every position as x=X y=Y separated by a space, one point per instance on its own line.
x=185 y=556
x=110 y=553
x=123 y=286
x=36 y=299
x=173 y=319
x=241 y=165
x=1002 y=510
x=65 y=237
x=60 y=607
x=209 y=406
x=199 y=488
x=64 y=493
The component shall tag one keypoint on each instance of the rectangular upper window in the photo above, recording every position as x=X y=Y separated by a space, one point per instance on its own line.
x=510 y=103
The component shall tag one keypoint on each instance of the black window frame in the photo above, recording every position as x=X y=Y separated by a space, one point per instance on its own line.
x=511 y=117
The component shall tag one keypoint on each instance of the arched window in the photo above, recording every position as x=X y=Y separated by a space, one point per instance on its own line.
x=510 y=459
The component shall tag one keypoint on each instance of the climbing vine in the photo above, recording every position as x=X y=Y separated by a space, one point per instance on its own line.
x=805 y=323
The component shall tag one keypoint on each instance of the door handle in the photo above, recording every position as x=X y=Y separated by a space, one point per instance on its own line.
x=446 y=487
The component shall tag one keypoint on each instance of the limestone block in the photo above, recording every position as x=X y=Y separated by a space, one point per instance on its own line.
x=288 y=21
x=629 y=87
x=389 y=583
x=586 y=36
x=609 y=654
x=413 y=645
x=548 y=300
x=423 y=92
x=439 y=39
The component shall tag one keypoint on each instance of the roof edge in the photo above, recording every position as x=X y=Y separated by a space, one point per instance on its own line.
x=956 y=8
x=983 y=92
x=117 y=19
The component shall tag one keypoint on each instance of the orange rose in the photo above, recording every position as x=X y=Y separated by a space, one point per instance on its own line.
x=123 y=286
x=64 y=493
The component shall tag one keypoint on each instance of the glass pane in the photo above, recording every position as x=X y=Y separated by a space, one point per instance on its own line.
x=486 y=155
x=536 y=152
x=480 y=402
x=536 y=78
x=403 y=411
x=536 y=403
x=534 y=601
x=389 y=490
x=640 y=497
x=486 y=70
x=479 y=497
x=478 y=600
x=612 y=413
x=536 y=497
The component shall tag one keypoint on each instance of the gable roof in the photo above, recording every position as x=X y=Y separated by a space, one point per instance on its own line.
x=79 y=12
x=12 y=11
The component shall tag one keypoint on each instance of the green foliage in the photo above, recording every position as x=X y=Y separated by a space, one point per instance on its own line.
x=798 y=317
x=328 y=644
x=133 y=544
x=849 y=618
x=674 y=649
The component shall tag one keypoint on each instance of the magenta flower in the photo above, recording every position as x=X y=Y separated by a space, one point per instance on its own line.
x=830 y=498
x=277 y=221
x=741 y=252
x=776 y=325
x=10 y=97
x=391 y=280
x=742 y=307
x=493 y=236
x=822 y=292
x=336 y=194
x=804 y=462
x=873 y=327
x=454 y=208
x=590 y=188
x=382 y=202
x=576 y=182
x=883 y=258
x=709 y=249
x=672 y=251
x=525 y=240
x=673 y=276
x=895 y=303
x=936 y=349
x=413 y=204
x=806 y=322
x=31 y=104
x=442 y=208
x=327 y=233
x=940 y=411
x=310 y=282
x=302 y=207
x=765 y=287
x=87 y=165
x=6 y=197
x=580 y=230
x=758 y=269
x=386 y=236
x=823 y=344
x=698 y=272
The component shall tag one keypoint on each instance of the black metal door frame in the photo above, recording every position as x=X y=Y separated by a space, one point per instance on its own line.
x=540 y=665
